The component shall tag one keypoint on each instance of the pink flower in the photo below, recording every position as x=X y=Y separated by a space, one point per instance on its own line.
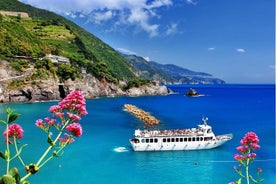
x=60 y=115
x=73 y=117
x=51 y=122
x=75 y=129
x=55 y=109
x=260 y=170
x=239 y=157
x=14 y=131
x=74 y=101
x=249 y=138
x=39 y=123
x=249 y=143
x=256 y=146
x=67 y=139
x=253 y=155
x=47 y=119
x=241 y=149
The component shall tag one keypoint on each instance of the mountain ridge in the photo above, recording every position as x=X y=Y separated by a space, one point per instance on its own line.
x=169 y=73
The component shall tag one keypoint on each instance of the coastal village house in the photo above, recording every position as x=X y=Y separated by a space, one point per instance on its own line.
x=57 y=59
x=15 y=14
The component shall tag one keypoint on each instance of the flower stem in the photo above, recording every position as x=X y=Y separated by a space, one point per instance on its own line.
x=46 y=152
x=17 y=152
x=8 y=149
x=247 y=171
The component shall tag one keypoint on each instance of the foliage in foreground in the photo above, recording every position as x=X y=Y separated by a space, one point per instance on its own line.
x=249 y=143
x=60 y=129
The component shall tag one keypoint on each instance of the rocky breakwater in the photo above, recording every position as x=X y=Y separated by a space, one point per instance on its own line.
x=148 y=119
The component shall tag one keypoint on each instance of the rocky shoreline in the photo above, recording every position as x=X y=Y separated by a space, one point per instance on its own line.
x=50 y=89
x=25 y=89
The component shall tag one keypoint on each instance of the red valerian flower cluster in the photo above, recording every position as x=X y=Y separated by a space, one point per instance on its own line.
x=75 y=129
x=246 y=156
x=69 y=111
x=14 y=131
x=249 y=143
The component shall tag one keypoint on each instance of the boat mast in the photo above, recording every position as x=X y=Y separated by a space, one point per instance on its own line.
x=205 y=120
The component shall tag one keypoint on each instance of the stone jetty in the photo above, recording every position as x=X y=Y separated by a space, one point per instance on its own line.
x=148 y=119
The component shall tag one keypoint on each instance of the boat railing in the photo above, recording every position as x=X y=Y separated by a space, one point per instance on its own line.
x=224 y=136
x=166 y=133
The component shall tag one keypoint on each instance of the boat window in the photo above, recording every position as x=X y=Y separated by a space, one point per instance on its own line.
x=197 y=139
x=151 y=140
x=147 y=140
x=185 y=139
x=155 y=140
x=164 y=140
x=181 y=139
x=168 y=140
x=201 y=138
x=207 y=138
x=176 y=139
x=194 y=138
x=172 y=139
x=189 y=139
x=143 y=140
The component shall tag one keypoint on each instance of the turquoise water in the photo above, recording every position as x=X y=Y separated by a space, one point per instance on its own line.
x=103 y=154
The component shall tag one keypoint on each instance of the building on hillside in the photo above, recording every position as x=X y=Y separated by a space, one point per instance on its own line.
x=57 y=59
x=15 y=14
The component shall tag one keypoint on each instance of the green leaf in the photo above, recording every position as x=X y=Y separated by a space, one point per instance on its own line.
x=7 y=154
x=239 y=181
x=4 y=122
x=15 y=174
x=21 y=148
x=50 y=141
x=12 y=117
x=7 y=179
x=2 y=155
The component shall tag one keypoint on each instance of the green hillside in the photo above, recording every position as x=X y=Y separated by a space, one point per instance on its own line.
x=48 y=33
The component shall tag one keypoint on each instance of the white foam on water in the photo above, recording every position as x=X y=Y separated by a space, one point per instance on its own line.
x=120 y=149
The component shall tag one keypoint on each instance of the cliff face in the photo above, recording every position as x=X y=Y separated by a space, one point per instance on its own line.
x=91 y=88
x=52 y=89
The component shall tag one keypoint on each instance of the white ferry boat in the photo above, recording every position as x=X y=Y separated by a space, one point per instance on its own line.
x=180 y=139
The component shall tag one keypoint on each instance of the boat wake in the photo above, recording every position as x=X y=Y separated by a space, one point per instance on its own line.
x=120 y=149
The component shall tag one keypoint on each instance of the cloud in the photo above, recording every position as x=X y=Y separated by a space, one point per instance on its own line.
x=137 y=13
x=240 y=50
x=99 y=17
x=172 y=29
x=126 y=51
x=211 y=48
x=191 y=2
x=272 y=66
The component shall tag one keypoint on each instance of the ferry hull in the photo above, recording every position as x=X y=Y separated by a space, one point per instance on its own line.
x=197 y=145
x=180 y=139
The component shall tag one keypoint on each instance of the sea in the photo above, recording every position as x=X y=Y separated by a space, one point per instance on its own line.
x=103 y=153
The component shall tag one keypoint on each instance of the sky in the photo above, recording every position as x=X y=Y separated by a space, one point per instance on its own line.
x=233 y=40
